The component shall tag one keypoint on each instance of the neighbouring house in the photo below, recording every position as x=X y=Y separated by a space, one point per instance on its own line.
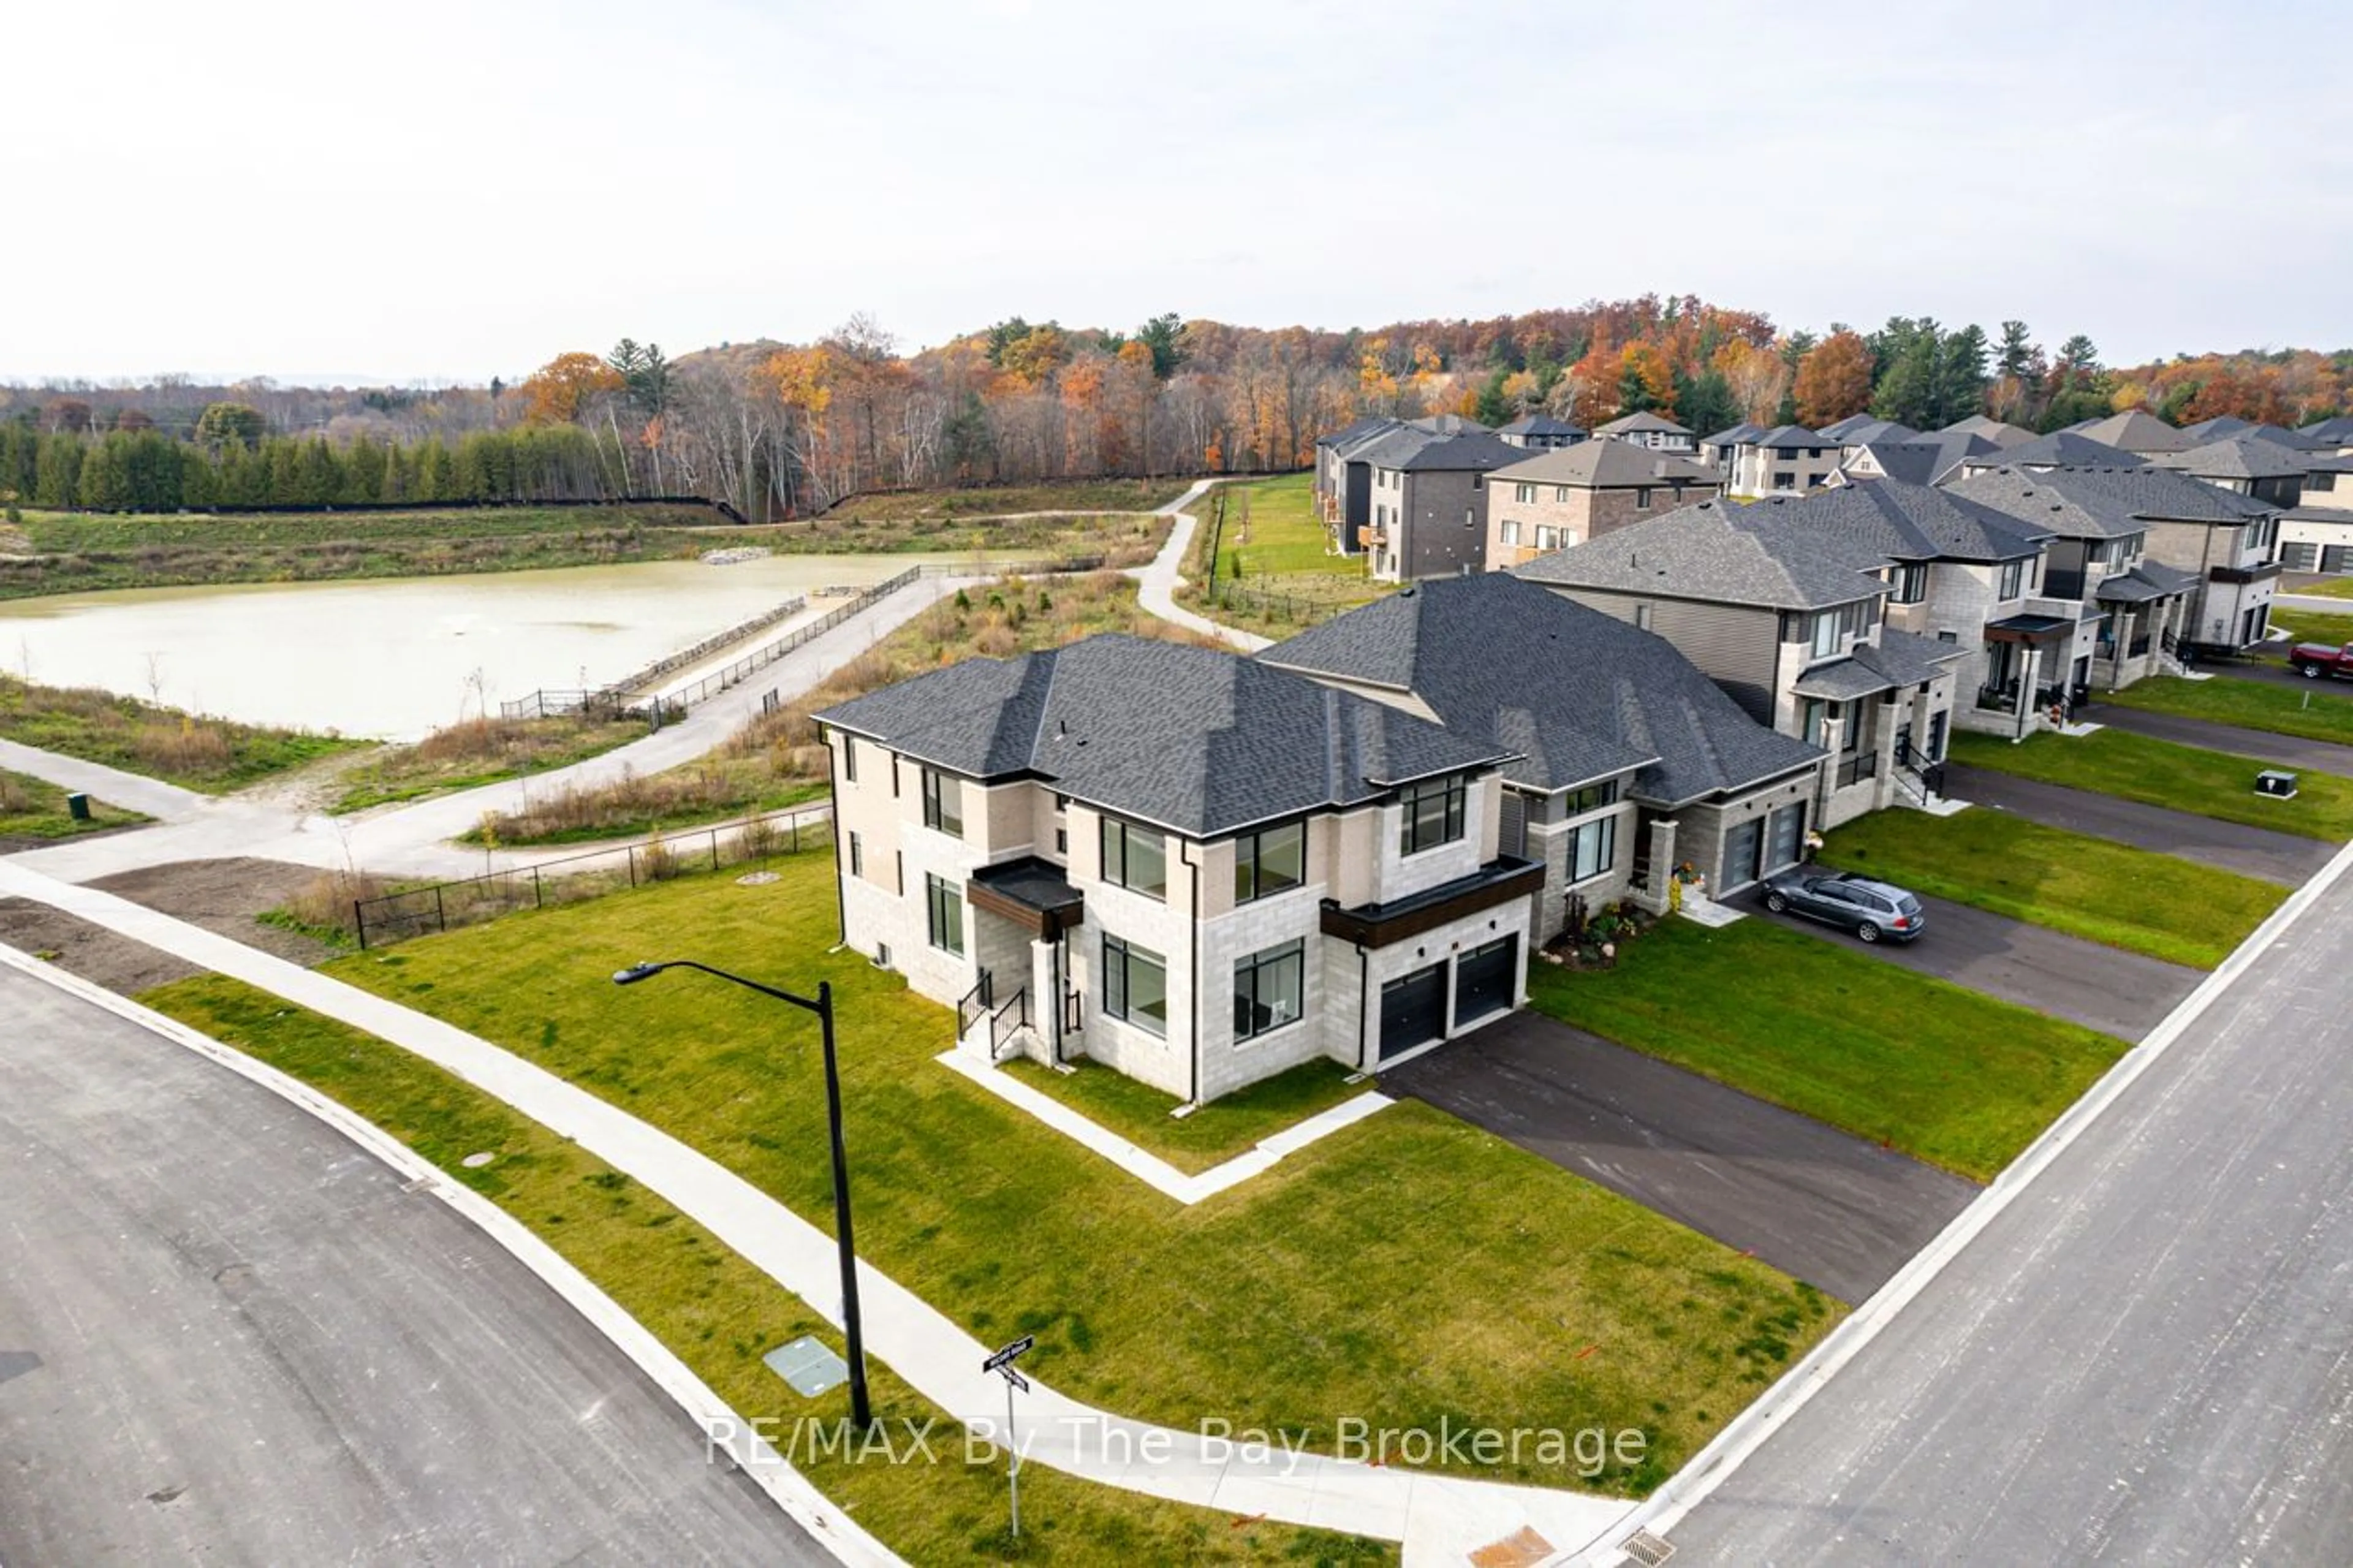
x=2249 y=465
x=2060 y=450
x=2316 y=534
x=1344 y=467
x=1788 y=622
x=2134 y=430
x=1653 y=430
x=1193 y=867
x=1628 y=761
x=1540 y=432
x=1920 y=460
x=1716 y=451
x=2329 y=435
x=1862 y=430
x=1999 y=432
x=1566 y=497
x=1428 y=501
x=1781 y=461
x=2211 y=546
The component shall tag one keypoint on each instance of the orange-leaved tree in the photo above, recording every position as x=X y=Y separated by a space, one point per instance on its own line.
x=1834 y=380
x=558 y=391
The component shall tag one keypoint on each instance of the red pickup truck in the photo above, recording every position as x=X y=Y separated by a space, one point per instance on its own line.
x=2313 y=660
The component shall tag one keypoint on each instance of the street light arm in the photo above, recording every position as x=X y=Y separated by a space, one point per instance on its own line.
x=637 y=972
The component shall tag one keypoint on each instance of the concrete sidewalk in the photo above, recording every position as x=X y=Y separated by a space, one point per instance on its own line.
x=1156 y=583
x=133 y=792
x=1437 y=1518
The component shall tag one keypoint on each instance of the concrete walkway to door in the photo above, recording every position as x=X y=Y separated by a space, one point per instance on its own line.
x=1832 y=1209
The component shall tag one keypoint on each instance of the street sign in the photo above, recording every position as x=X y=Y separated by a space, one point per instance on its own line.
x=1013 y=1377
x=1006 y=1355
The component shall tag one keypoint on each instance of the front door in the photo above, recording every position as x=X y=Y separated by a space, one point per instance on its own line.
x=1484 y=980
x=1413 y=1010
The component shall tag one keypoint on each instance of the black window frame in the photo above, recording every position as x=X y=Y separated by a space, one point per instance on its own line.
x=1119 y=955
x=1453 y=793
x=857 y=853
x=1249 y=989
x=1249 y=855
x=936 y=815
x=1592 y=797
x=1114 y=869
x=1603 y=828
x=944 y=910
x=2003 y=589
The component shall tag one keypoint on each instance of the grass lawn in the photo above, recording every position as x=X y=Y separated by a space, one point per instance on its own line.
x=1003 y=500
x=1272 y=528
x=720 y=1314
x=1273 y=575
x=2160 y=773
x=35 y=808
x=186 y=749
x=69 y=532
x=2138 y=899
x=1945 y=1074
x=2313 y=625
x=479 y=752
x=2330 y=588
x=2322 y=712
x=1211 y=1135
x=1333 y=1286
x=693 y=795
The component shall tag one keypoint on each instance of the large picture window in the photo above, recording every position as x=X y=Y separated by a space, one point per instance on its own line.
x=1135 y=985
x=944 y=802
x=1271 y=860
x=2013 y=580
x=1432 y=816
x=1268 y=989
x=1136 y=858
x=1592 y=847
x=945 y=899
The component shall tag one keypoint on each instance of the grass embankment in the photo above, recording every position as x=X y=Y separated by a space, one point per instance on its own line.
x=1406 y=1268
x=1230 y=1125
x=2160 y=773
x=1275 y=572
x=2318 y=714
x=35 y=808
x=1942 y=1073
x=75 y=553
x=1117 y=541
x=720 y=1314
x=186 y=749
x=969 y=501
x=777 y=759
x=479 y=751
x=2137 y=899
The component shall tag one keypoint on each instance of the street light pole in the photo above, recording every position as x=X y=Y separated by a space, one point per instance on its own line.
x=861 y=1410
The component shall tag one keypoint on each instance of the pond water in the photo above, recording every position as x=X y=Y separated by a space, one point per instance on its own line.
x=398 y=656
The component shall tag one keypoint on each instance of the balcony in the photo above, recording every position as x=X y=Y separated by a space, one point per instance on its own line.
x=1500 y=880
x=1855 y=767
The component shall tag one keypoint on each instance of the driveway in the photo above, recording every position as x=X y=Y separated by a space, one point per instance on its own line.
x=228 y=1336
x=2261 y=745
x=2282 y=857
x=1831 y=1209
x=2103 y=988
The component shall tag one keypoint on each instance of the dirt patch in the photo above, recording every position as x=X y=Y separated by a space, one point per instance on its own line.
x=221 y=896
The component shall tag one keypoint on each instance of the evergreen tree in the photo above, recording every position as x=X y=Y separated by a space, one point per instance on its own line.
x=2018 y=351
x=1706 y=402
x=1960 y=377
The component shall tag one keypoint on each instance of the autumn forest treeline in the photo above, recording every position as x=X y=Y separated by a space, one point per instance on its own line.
x=785 y=430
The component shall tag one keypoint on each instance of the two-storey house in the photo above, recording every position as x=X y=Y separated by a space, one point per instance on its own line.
x=2249 y=465
x=1628 y=760
x=1781 y=461
x=1540 y=432
x=2060 y=450
x=1428 y=501
x=1656 y=431
x=1562 y=497
x=1790 y=623
x=2134 y=430
x=1196 y=868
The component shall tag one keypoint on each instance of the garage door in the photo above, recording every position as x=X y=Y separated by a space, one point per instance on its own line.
x=1413 y=1010
x=1484 y=979
x=1740 y=850
x=2300 y=557
x=2336 y=558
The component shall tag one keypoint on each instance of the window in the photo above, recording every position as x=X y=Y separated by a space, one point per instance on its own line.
x=1432 y=816
x=1136 y=858
x=850 y=758
x=2013 y=580
x=1526 y=493
x=1817 y=712
x=1592 y=797
x=1135 y=985
x=856 y=854
x=1271 y=860
x=1911 y=583
x=1062 y=842
x=1785 y=482
x=2320 y=479
x=1592 y=847
x=1560 y=494
x=1814 y=481
x=1786 y=454
x=1642 y=617
x=1547 y=537
x=1642 y=496
x=1267 y=988
x=1511 y=530
x=944 y=802
x=1825 y=633
x=946 y=909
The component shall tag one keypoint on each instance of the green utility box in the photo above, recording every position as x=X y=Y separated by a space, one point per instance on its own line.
x=77 y=808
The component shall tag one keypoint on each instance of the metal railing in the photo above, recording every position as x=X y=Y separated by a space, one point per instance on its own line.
x=1856 y=767
x=1017 y=1008
x=973 y=1005
x=438 y=906
x=1928 y=770
x=800 y=637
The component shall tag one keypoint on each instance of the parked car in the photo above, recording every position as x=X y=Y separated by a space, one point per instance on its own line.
x=2314 y=659
x=1870 y=909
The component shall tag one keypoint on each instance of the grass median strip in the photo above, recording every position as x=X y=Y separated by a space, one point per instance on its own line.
x=35 y=808
x=1405 y=1270
x=720 y=1315
x=2176 y=777
x=1944 y=1074
x=2137 y=899
x=2324 y=711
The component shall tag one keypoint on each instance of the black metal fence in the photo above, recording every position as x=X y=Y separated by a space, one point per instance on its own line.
x=439 y=906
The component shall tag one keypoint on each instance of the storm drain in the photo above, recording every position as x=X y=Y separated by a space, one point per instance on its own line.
x=1647 y=1549
x=807 y=1366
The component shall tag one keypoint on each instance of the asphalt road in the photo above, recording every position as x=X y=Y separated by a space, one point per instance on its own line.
x=227 y=1335
x=1836 y=1211
x=2147 y=1358
x=2261 y=745
x=2103 y=988
x=2282 y=857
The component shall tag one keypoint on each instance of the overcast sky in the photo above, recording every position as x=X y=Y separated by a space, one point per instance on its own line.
x=455 y=191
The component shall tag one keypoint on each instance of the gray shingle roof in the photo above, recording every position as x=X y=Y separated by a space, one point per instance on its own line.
x=1646 y=420
x=2337 y=432
x=2238 y=457
x=2220 y=428
x=1449 y=425
x=1856 y=429
x=2149 y=580
x=1999 y=432
x=2136 y=430
x=1928 y=459
x=2108 y=504
x=1371 y=425
x=1477 y=452
x=1192 y=739
x=1744 y=431
x=1793 y=435
x=1607 y=465
x=1907 y=521
x=1540 y=425
x=1708 y=552
x=1577 y=694
x=2061 y=448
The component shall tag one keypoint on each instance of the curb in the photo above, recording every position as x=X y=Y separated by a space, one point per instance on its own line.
x=785 y=1486
x=1747 y=1432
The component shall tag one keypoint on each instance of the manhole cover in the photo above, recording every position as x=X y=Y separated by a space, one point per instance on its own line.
x=476 y=1162
x=1647 y=1549
x=757 y=878
x=807 y=1366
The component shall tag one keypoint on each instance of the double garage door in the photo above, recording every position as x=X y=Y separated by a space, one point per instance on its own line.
x=2308 y=556
x=1413 y=1006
